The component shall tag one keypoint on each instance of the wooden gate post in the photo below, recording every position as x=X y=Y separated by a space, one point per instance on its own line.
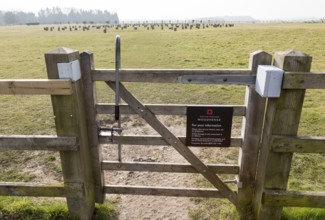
x=87 y=64
x=251 y=134
x=281 y=118
x=70 y=121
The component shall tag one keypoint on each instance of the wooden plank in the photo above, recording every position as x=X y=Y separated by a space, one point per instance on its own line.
x=163 y=191
x=298 y=144
x=251 y=133
x=105 y=138
x=72 y=190
x=298 y=80
x=222 y=79
x=70 y=120
x=151 y=119
x=162 y=109
x=276 y=166
x=160 y=75
x=38 y=142
x=263 y=155
x=35 y=87
x=294 y=199
x=166 y=167
x=87 y=64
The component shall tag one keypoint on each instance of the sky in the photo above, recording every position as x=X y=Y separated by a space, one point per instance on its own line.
x=128 y=10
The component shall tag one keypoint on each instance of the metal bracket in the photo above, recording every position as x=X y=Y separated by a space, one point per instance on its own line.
x=109 y=132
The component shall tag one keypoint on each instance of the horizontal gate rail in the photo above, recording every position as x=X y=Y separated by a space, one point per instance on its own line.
x=294 y=199
x=162 y=109
x=163 y=191
x=167 y=167
x=223 y=76
x=298 y=144
x=73 y=190
x=292 y=80
x=38 y=142
x=223 y=79
x=106 y=138
x=35 y=87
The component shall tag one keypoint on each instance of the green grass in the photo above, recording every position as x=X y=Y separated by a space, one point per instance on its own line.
x=22 y=56
x=48 y=209
x=303 y=214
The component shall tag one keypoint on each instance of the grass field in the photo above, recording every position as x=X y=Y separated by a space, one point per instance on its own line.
x=22 y=56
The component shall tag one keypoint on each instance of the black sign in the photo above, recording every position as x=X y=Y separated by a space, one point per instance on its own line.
x=209 y=126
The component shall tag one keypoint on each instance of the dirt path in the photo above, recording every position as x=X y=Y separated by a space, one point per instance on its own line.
x=149 y=207
x=154 y=207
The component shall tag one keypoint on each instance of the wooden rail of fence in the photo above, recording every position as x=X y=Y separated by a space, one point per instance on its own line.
x=38 y=142
x=280 y=140
x=35 y=87
x=268 y=141
x=71 y=141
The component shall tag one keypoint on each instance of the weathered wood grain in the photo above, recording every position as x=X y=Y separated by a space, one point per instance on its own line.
x=162 y=109
x=222 y=79
x=294 y=199
x=106 y=138
x=163 y=191
x=298 y=144
x=38 y=142
x=70 y=120
x=35 y=87
x=285 y=111
x=72 y=190
x=251 y=134
x=87 y=65
x=166 y=167
x=297 y=80
x=162 y=75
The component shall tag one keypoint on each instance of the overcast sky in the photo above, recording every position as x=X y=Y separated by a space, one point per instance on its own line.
x=185 y=9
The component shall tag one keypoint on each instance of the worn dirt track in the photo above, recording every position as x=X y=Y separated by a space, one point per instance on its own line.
x=155 y=207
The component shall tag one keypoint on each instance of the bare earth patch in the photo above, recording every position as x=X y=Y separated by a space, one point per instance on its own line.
x=158 y=207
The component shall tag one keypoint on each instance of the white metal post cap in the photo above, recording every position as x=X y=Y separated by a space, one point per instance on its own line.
x=69 y=70
x=269 y=81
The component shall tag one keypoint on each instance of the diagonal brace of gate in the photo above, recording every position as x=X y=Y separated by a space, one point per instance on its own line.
x=171 y=139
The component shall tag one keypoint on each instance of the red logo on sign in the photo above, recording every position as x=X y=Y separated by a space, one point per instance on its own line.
x=210 y=111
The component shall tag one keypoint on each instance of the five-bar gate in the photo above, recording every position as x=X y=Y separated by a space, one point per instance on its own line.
x=248 y=142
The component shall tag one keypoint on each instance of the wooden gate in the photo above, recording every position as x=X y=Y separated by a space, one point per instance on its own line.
x=248 y=142
x=267 y=142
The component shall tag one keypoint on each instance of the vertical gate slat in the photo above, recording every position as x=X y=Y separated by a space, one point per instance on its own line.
x=87 y=64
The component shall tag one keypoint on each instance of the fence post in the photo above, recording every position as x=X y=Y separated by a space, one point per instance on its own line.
x=70 y=121
x=251 y=133
x=281 y=118
x=87 y=64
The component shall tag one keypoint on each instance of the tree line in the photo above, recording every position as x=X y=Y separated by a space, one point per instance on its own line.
x=57 y=15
